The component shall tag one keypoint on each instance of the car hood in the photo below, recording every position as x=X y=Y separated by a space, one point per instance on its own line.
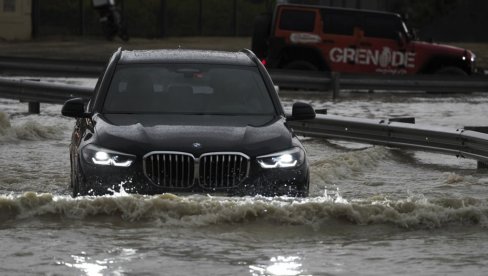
x=195 y=134
x=440 y=48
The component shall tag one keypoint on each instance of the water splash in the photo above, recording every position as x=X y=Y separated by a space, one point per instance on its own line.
x=120 y=191
x=333 y=169
x=30 y=130
x=171 y=210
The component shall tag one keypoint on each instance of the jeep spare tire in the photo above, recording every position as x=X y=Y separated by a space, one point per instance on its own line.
x=262 y=26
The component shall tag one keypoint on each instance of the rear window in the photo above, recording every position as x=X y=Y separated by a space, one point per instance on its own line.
x=382 y=26
x=297 y=20
x=340 y=23
x=199 y=89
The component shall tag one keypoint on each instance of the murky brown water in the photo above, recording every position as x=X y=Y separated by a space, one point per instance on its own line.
x=373 y=210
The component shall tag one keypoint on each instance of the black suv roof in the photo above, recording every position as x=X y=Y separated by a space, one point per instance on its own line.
x=186 y=56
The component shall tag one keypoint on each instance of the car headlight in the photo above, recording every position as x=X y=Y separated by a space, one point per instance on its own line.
x=284 y=159
x=105 y=157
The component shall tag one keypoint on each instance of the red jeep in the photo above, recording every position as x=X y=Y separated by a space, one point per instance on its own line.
x=303 y=37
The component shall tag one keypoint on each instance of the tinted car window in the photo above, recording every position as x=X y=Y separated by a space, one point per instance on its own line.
x=341 y=23
x=382 y=26
x=188 y=89
x=295 y=20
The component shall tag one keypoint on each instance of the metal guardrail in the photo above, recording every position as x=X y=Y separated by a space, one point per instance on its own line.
x=459 y=142
x=36 y=92
x=49 y=67
x=322 y=81
x=336 y=82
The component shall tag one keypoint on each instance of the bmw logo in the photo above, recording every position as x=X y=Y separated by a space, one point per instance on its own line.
x=197 y=145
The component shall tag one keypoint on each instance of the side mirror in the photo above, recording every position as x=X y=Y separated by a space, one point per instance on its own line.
x=74 y=108
x=302 y=111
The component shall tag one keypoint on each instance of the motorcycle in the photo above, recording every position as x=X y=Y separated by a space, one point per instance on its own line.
x=113 y=24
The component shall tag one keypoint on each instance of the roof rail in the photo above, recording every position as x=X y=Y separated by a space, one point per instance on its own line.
x=251 y=55
x=116 y=55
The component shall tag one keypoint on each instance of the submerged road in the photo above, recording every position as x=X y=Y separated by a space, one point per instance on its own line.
x=372 y=210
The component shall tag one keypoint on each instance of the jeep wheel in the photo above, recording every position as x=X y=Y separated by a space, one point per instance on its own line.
x=301 y=65
x=451 y=71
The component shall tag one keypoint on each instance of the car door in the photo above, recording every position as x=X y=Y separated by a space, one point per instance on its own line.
x=383 y=47
x=340 y=38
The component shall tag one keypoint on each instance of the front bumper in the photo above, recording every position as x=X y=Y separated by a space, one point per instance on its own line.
x=101 y=180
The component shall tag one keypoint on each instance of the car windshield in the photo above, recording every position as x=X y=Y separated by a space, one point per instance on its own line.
x=207 y=89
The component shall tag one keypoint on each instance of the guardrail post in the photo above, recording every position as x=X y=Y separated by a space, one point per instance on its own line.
x=481 y=165
x=335 y=83
x=34 y=107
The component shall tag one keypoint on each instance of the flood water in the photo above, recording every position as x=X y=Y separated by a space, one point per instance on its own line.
x=372 y=210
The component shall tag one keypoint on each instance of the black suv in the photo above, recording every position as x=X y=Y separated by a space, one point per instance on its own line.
x=186 y=121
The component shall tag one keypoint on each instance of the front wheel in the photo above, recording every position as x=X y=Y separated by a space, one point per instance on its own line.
x=78 y=185
x=451 y=71
x=448 y=71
